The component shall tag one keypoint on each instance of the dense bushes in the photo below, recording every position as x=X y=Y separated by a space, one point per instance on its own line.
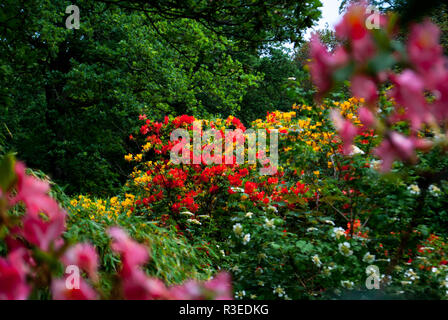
x=311 y=230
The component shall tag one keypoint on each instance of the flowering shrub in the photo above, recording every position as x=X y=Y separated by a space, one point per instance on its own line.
x=419 y=92
x=312 y=230
x=198 y=194
x=411 y=117
x=37 y=251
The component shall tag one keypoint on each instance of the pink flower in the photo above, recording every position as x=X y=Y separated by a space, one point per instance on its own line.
x=42 y=232
x=346 y=130
x=364 y=87
x=218 y=288
x=366 y=116
x=363 y=49
x=60 y=291
x=221 y=286
x=409 y=94
x=423 y=47
x=13 y=284
x=190 y=290
x=85 y=257
x=397 y=146
x=138 y=286
x=324 y=63
x=353 y=24
x=33 y=192
x=353 y=28
x=132 y=253
x=441 y=103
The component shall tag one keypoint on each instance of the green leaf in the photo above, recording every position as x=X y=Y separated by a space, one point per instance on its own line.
x=344 y=73
x=381 y=62
x=7 y=175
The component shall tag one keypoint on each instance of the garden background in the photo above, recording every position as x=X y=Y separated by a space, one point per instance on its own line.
x=90 y=112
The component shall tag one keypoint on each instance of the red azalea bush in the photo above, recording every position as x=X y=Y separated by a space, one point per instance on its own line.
x=199 y=193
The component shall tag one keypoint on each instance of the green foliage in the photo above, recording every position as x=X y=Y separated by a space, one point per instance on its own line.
x=67 y=96
x=174 y=259
x=252 y=23
x=78 y=89
x=279 y=73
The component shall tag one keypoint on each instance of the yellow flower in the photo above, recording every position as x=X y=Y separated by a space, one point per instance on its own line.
x=147 y=146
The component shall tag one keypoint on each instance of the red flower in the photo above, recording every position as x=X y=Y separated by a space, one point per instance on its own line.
x=235 y=180
x=213 y=189
x=250 y=187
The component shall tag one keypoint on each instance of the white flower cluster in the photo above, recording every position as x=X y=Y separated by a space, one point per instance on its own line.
x=238 y=230
x=368 y=258
x=338 y=232
x=414 y=189
x=194 y=221
x=344 y=249
x=347 y=284
x=269 y=223
x=434 y=190
x=280 y=292
x=316 y=260
x=411 y=276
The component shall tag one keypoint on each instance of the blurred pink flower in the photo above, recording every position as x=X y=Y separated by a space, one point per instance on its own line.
x=353 y=24
x=42 y=232
x=138 y=286
x=33 y=193
x=397 y=146
x=217 y=288
x=423 y=47
x=409 y=94
x=346 y=130
x=190 y=290
x=324 y=63
x=366 y=116
x=221 y=286
x=132 y=253
x=60 y=291
x=13 y=284
x=364 y=87
x=353 y=28
x=440 y=105
x=85 y=257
